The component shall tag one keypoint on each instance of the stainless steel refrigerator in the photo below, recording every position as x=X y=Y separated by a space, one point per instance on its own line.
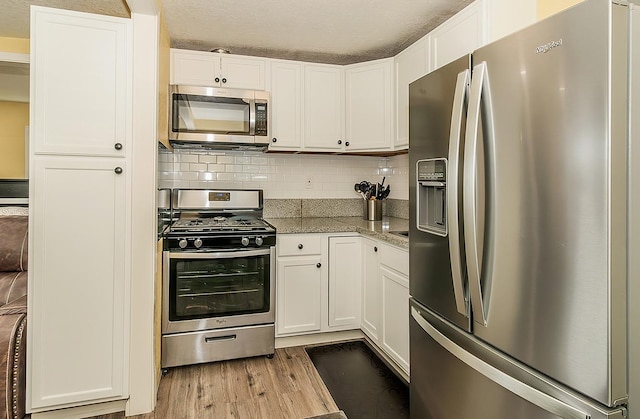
x=519 y=223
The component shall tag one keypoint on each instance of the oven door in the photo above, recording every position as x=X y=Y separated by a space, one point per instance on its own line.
x=211 y=290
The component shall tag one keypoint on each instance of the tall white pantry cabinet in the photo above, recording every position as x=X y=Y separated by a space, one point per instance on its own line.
x=79 y=235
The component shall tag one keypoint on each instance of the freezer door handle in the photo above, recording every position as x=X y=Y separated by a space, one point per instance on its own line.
x=479 y=104
x=532 y=395
x=460 y=99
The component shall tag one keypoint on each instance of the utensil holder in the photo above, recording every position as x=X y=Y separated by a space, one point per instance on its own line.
x=372 y=210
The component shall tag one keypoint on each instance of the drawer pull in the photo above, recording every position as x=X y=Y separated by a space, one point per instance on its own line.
x=219 y=338
x=300 y=246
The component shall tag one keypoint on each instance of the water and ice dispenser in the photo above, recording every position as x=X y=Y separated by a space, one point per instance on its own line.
x=432 y=196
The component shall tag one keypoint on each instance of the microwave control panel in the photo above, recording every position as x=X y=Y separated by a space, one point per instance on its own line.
x=261 y=118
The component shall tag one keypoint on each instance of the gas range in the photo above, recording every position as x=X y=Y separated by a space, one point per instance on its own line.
x=206 y=220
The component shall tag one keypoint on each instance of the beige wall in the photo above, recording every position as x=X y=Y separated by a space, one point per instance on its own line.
x=17 y=45
x=547 y=8
x=14 y=116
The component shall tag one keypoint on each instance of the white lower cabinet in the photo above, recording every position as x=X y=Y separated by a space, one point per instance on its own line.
x=385 y=299
x=329 y=283
x=298 y=289
x=371 y=296
x=344 y=281
x=395 y=316
x=78 y=290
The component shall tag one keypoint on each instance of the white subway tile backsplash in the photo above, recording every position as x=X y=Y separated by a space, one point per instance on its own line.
x=283 y=176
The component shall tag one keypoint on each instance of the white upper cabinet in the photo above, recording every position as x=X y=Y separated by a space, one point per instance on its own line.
x=369 y=104
x=85 y=111
x=411 y=64
x=460 y=35
x=323 y=107
x=286 y=105
x=218 y=70
x=508 y=16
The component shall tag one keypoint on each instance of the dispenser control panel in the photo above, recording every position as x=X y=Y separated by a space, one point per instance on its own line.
x=432 y=196
x=435 y=169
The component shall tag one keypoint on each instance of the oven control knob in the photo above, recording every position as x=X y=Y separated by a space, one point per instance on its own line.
x=197 y=243
x=259 y=241
x=182 y=243
x=245 y=241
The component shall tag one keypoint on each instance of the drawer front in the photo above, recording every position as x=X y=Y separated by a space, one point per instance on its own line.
x=299 y=244
x=394 y=258
x=217 y=345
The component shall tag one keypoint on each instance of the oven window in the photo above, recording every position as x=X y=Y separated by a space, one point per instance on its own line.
x=202 y=288
x=207 y=114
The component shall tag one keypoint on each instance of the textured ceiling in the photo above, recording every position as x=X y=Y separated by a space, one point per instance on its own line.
x=330 y=31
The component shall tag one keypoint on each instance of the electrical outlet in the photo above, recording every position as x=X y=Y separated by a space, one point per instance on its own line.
x=308 y=183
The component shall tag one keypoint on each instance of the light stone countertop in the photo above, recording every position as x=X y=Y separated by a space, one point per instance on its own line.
x=375 y=229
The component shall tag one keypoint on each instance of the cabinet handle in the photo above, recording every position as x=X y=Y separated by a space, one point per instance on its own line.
x=274 y=139
x=118 y=170
x=224 y=80
x=118 y=146
x=347 y=143
x=339 y=141
x=375 y=248
x=300 y=246
x=217 y=79
x=318 y=265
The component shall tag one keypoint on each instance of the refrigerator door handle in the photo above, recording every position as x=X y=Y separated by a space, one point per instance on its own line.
x=478 y=97
x=460 y=99
x=533 y=395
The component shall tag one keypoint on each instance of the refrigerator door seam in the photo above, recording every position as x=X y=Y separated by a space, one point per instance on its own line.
x=540 y=399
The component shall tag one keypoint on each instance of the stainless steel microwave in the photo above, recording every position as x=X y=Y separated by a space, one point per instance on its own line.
x=218 y=117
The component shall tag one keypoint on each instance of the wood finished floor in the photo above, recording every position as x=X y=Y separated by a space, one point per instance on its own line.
x=287 y=386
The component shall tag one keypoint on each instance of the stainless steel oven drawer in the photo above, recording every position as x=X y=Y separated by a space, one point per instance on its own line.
x=217 y=345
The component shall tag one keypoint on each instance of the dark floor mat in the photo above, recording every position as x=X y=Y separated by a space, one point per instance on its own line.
x=360 y=383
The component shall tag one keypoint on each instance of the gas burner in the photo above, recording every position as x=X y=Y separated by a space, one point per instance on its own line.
x=219 y=219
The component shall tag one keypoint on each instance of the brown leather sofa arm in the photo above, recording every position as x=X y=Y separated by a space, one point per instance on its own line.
x=13 y=356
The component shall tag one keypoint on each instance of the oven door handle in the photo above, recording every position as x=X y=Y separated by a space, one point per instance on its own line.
x=219 y=255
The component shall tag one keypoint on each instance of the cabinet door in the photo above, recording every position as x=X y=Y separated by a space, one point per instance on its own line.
x=81 y=81
x=298 y=293
x=411 y=64
x=286 y=105
x=368 y=106
x=371 y=296
x=194 y=68
x=78 y=282
x=344 y=281
x=323 y=107
x=459 y=35
x=395 y=308
x=242 y=72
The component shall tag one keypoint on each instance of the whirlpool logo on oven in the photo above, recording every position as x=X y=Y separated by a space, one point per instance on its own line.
x=548 y=47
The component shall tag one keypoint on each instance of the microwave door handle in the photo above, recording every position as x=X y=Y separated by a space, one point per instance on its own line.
x=453 y=190
x=252 y=116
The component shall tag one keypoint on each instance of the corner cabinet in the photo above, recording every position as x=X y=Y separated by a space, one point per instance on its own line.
x=214 y=69
x=78 y=309
x=323 y=119
x=317 y=284
x=369 y=106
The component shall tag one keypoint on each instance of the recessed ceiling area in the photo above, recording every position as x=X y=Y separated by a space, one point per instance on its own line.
x=327 y=31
